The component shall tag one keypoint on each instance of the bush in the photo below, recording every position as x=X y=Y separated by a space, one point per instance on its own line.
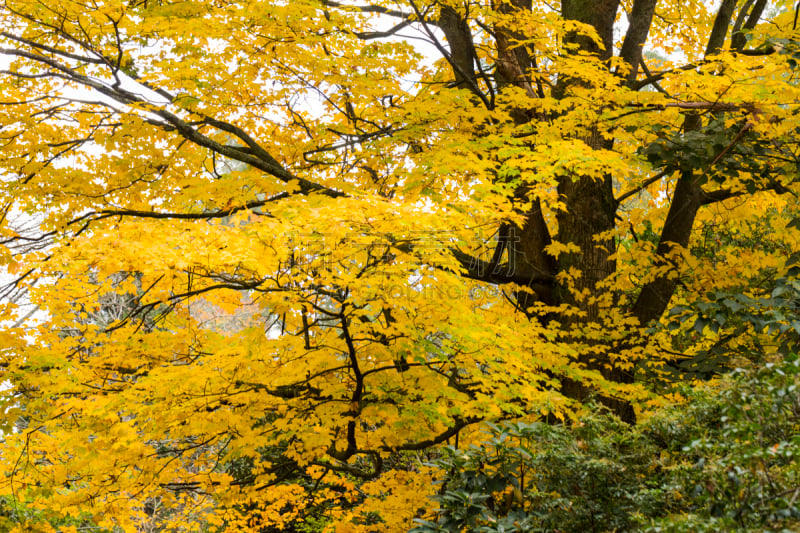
x=733 y=452
x=722 y=461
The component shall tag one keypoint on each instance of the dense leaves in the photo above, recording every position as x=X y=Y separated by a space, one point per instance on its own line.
x=724 y=459
x=261 y=259
x=537 y=477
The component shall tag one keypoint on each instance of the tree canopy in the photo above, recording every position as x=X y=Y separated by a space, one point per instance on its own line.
x=264 y=255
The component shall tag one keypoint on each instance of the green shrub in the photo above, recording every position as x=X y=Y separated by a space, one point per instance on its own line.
x=725 y=460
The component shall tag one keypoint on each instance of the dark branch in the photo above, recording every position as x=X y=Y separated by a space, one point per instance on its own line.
x=52 y=50
x=254 y=155
x=192 y=216
x=720 y=29
x=638 y=29
x=368 y=9
x=643 y=186
x=739 y=38
x=481 y=270
x=460 y=57
x=442 y=437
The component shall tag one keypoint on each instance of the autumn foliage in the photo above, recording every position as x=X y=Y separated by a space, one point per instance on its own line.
x=262 y=258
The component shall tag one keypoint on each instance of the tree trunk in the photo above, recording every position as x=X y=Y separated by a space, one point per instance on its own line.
x=590 y=205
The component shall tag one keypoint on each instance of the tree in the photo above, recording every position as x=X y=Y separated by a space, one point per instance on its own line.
x=432 y=242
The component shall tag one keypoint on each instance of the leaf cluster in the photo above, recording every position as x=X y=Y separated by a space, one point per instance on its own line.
x=724 y=459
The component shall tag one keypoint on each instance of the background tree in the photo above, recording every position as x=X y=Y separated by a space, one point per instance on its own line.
x=485 y=234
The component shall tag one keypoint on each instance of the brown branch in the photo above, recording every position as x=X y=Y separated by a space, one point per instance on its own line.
x=481 y=270
x=254 y=155
x=643 y=186
x=377 y=466
x=222 y=213
x=638 y=28
x=367 y=35
x=56 y=51
x=368 y=9
x=449 y=23
x=724 y=194
x=460 y=423
x=686 y=200
x=747 y=127
x=660 y=76
x=720 y=29
x=759 y=52
x=739 y=38
x=355 y=397
x=655 y=84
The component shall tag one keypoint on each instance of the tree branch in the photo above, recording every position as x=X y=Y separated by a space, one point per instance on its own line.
x=368 y=9
x=256 y=157
x=460 y=423
x=739 y=38
x=638 y=28
x=720 y=29
x=481 y=270
x=643 y=186
x=660 y=76
x=686 y=200
x=222 y=213
x=461 y=58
